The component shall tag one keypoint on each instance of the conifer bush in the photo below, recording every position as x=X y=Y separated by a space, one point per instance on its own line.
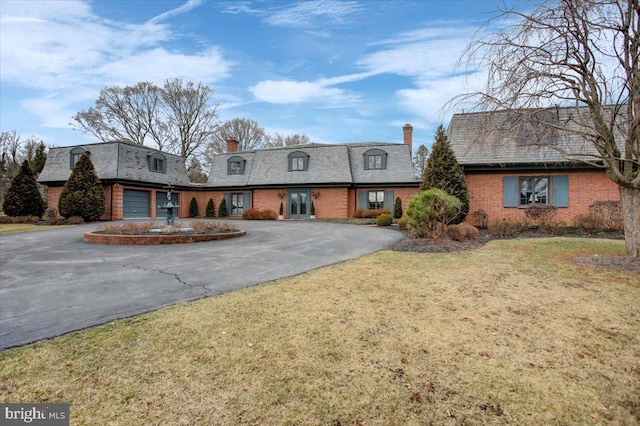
x=23 y=197
x=384 y=220
x=222 y=208
x=193 y=208
x=429 y=213
x=211 y=208
x=444 y=172
x=397 y=208
x=82 y=194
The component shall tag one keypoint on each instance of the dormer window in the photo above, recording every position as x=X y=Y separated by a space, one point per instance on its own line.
x=235 y=165
x=375 y=159
x=157 y=163
x=75 y=154
x=298 y=161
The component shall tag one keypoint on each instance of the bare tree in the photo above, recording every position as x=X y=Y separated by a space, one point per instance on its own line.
x=290 y=140
x=246 y=131
x=191 y=117
x=195 y=171
x=577 y=54
x=178 y=117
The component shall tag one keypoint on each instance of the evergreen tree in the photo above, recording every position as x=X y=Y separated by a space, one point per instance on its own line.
x=82 y=194
x=397 y=208
x=444 y=172
x=211 y=208
x=22 y=197
x=193 y=209
x=222 y=208
x=40 y=157
x=420 y=161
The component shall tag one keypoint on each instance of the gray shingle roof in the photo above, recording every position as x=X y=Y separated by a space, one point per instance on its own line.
x=492 y=138
x=328 y=164
x=116 y=161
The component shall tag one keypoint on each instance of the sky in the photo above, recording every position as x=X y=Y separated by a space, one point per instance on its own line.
x=336 y=71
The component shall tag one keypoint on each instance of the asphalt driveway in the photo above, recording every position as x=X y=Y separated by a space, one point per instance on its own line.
x=52 y=282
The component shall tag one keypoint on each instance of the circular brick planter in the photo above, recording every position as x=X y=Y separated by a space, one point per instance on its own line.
x=92 y=237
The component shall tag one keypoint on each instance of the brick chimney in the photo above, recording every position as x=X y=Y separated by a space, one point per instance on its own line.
x=232 y=145
x=408 y=138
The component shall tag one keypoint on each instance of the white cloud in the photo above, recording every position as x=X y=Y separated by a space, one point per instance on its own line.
x=189 y=5
x=317 y=13
x=287 y=91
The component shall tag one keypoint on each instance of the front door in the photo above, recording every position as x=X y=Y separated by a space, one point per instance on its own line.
x=299 y=204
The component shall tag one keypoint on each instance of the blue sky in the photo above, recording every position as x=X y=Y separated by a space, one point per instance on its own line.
x=337 y=71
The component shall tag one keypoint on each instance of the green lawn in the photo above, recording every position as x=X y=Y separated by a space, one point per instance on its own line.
x=514 y=333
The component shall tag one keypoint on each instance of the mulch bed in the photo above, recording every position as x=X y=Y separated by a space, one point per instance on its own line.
x=447 y=245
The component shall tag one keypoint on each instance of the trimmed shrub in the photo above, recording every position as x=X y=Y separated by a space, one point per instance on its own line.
x=370 y=214
x=397 y=208
x=507 y=228
x=222 y=208
x=480 y=218
x=384 y=220
x=462 y=231
x=313 y=209
x=82 y=194
x=611 y=214
x=430 y=211
x=402 y=222
x=22 y=197
x=211 y=208
x=281 y=211
x=193 y=208
x=589 y=222
x=258 y=214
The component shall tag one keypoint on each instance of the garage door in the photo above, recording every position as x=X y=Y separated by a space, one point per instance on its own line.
x=136 y=204
x=161 y=200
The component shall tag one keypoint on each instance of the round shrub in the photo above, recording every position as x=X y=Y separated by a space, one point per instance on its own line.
x=384 y=220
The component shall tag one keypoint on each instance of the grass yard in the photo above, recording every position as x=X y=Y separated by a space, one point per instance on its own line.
x=11 y=228
x=513 y=333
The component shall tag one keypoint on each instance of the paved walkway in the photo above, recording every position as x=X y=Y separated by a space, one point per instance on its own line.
x=51 y=282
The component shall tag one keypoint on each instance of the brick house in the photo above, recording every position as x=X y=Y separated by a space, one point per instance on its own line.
x=338 y=179
x=133 y=177
x=507 y=169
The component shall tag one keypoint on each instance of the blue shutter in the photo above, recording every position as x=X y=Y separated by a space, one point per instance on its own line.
x=511 y=192
x=246 y=202
x=363 y=200
x=388 y=200
x=560 y=191
x=227 y=200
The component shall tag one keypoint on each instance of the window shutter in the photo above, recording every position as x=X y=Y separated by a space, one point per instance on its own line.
x=560 y=191
x=510 y=184
x=388 y=200
x=227 y=200
x=363 y=200
x=246 y=200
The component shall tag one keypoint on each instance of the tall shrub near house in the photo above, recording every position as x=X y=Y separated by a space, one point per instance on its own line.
x=430 y=212
x=193 y=208
x=222 y=208
x=444 y=172
x=211 y=208
x=82 y=194
x=397 y=208
x=22 y=197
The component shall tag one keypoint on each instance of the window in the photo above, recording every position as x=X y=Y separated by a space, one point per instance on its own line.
x=376 y=200
x=235 y=165
x=157 y=162
x=75 y=154
x=237 y=204
x=298 y=161
x=534 y=190
x=375 y=159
